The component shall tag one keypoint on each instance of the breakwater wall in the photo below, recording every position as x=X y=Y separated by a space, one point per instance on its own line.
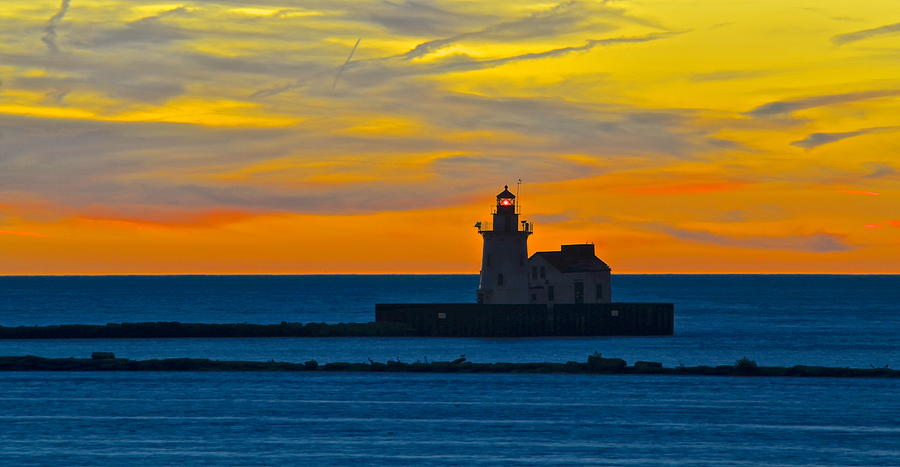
x=176 y=329
x=595 y=364
x=403 y=320
x=478 y=320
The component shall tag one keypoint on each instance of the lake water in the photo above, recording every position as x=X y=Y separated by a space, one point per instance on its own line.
x=450 y=419
x=836 y=320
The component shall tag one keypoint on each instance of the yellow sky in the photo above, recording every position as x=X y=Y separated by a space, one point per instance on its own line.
x=368 y=136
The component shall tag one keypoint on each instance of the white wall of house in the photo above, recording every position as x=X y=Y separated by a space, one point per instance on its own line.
x=596 y=286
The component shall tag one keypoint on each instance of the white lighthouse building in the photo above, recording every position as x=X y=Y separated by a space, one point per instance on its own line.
x=508 y=276
x=504 y=277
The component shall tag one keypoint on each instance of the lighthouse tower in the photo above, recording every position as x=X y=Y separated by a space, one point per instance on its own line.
x=504 y=274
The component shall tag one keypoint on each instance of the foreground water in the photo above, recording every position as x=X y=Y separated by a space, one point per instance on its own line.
x=833 y=320
x=337 y=419
x=453 y=419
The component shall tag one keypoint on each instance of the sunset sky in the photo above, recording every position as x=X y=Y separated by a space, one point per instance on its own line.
x=331 y=136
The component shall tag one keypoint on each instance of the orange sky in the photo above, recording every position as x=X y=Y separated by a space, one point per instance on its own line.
x=368 y=136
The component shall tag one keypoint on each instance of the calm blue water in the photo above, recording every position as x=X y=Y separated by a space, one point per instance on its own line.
x=336 y=419
x=774 y=319
x=339 y=419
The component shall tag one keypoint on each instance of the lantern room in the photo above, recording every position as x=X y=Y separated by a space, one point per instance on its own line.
x=506 y=201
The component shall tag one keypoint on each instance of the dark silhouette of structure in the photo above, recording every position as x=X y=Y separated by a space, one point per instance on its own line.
x=553 y=293
x=504 y=277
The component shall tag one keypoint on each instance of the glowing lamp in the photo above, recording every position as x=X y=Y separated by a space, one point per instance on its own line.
x=506 y=199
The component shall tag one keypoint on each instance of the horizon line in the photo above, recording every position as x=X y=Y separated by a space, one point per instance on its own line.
x=164 y=274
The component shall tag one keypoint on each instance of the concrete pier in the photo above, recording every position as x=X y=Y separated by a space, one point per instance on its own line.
x=481 y=320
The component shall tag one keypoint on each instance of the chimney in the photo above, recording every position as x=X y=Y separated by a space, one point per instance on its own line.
x=580 y=250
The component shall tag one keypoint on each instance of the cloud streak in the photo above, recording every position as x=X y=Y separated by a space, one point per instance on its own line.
x=151 y=30
x=815 y=243
x=815 y=140
x=728 y=75
x=340 y=70
x=377 y=71
x=49 y=38
x=18 y=233
x=864 y=34
x=590 y=44
x=570 y=16
x=880 y=170
x=782 y=108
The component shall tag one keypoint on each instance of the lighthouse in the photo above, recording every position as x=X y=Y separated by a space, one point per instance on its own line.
x=552 y=293
x=504 y=271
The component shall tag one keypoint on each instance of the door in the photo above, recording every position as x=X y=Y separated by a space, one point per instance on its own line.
x=579 y=292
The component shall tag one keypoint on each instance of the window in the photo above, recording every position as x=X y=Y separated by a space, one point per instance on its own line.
x=534 y=272
x=500 y=279
x=599 y=292
x=579 y=292
x=533 y=297
x=543 y=272
x=550 y=294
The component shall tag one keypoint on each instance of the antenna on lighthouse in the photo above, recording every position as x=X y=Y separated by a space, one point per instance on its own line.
x=518 y=200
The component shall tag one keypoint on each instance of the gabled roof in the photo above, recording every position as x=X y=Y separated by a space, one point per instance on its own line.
x=573 y=260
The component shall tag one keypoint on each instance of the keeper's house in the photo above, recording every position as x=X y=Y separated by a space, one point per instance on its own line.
x=572 y=275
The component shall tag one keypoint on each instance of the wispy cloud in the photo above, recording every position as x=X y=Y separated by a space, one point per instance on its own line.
x=552 y=218
x=411 y=17
x=687 y=187
x=566 y=17
x=123 y=165
x=815 y=140
x=781 y=108
x=153 y=30
x=207 y=58
x=561 y=20
x=490 y=167
x=860 y=192
x=173 y=220
x=340 y=70
x=728 y=75
x=879 y=170
x=279 y=111
x=590 y=44
x=275 y=90
x=854 y=36
x=49 y=38
x=373 y=72
x=816 y=243
x=18 y=233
